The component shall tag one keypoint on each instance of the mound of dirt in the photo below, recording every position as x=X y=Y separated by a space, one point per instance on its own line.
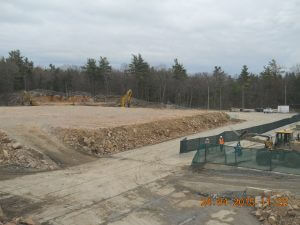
x=13 y=153
x=46 y=97
x=105 y=141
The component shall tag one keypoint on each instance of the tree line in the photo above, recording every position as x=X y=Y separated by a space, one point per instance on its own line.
x=214 y=90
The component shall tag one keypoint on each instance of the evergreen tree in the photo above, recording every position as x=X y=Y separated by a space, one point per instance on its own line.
x=219 y=79
x=105 y=71
x=91 y=70
x=25 y=69
x=179 y=72
x=55 y=81
x=244 y=80
x=271 y=78
x=8 y=71
x=141 y=71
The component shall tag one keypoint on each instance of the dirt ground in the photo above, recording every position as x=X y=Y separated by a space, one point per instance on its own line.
x=61 y=136
x=86 y=116
x=148 y=185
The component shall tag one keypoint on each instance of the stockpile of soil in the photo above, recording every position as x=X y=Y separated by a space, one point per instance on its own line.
x=48 y=97
x=104 y=141
x=45 y=97
x=13 y=153
x=281 y=209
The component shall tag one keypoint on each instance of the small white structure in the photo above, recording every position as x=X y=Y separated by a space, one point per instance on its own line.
x=283 y=108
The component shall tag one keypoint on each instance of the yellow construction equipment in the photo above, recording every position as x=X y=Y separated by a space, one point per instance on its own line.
x=126 y=99
x=285 y=139
x=259 y=138
x=269 y=143
x=285 y=148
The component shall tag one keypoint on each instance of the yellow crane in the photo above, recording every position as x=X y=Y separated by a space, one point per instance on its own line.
x=126 y=99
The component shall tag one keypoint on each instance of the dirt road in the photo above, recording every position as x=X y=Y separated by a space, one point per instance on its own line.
x=150 y=185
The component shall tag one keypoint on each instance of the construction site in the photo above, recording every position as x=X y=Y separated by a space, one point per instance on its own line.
x=118 y=160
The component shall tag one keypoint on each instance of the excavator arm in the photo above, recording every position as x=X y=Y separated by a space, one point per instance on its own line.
x=126 y=99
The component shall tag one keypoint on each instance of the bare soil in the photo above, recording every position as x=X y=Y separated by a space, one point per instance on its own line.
x=86 y=116
x=148 y=185
x=52 y=137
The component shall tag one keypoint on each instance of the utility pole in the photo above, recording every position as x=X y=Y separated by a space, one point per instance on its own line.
x=220 y=99
x=243 y=97
x=285 y=100
x=208 y=97
x=285 y=93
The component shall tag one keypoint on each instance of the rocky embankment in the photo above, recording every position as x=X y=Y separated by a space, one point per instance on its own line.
x=105 y=141
x=12 y=153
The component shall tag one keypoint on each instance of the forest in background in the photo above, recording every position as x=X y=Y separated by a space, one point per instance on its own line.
x=271 y=87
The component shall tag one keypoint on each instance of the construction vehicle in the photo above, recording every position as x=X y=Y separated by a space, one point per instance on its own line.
x=284 y=139
x=126 y=99
x=285 y=149
x=27 y=99
x=289 y=146
x=259 y=138
x=288 y=139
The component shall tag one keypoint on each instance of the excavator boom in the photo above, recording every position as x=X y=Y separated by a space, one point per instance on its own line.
x=126 y=99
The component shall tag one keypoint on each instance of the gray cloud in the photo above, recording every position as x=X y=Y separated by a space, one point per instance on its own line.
x=201 y=33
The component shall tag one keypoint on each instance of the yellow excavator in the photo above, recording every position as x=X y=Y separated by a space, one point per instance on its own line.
x=286 y=148
x=126 y=99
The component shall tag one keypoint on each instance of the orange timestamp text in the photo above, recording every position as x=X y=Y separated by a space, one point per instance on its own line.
x=245 y=201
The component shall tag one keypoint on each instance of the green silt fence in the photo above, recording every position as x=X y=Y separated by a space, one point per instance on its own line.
x=188 y=145
x=262 y=159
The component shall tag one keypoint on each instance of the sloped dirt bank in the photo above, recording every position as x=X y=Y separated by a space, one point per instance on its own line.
x=12 y=153
x=105 y=141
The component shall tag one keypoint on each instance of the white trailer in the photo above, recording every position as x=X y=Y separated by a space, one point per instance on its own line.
x=283 y=108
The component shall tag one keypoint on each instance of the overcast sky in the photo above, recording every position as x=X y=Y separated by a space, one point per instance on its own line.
x=200 y=33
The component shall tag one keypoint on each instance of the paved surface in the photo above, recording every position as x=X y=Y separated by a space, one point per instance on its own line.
x=150 y=185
